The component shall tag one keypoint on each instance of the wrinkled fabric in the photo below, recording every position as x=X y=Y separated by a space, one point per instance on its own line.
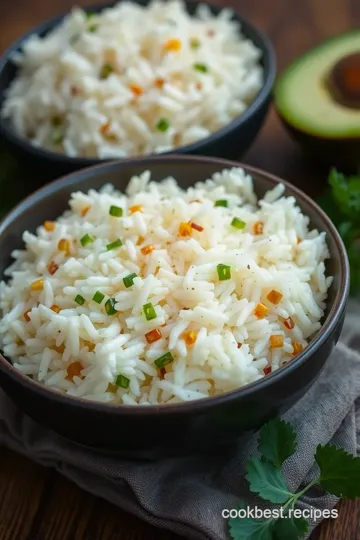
x=187 y=495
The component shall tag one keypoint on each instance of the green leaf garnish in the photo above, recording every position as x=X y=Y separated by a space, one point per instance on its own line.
x=277 y=441
x=267 y=481
x=290 y=528
x=250 y=528
x=339 y=471
x=342 y=205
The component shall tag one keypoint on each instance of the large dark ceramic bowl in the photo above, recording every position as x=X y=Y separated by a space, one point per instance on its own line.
x=231 y=141
x=156 y=431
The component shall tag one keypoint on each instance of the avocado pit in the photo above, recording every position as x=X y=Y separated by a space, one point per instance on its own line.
x=343 y=81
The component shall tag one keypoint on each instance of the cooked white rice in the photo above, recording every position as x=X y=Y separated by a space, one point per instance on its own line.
x=179 y=278
x=78 y=88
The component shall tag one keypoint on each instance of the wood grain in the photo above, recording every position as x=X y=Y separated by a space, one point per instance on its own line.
x=39 y=504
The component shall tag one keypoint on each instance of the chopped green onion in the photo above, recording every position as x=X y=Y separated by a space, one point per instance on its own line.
x=90 y=14
x=194 y=43
x=106 y=71
x=57 y=136
x=201 y=67
x=86 y=239
x=129 y=280
x=163 y=125
x=221 y=202
x=114 y=245
x=93 y=28
x=116 y=211
x=98 y=297
x=110 y=306
x=122 y=381
x=149 y=311
x=224 y=272
x=80 y=299
x=238 y=224
x=163 y=360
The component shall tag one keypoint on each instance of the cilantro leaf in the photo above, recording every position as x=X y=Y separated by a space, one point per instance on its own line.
x=248 y=528
x=339 y=471
x=277 y=441
x=290 y=528
x=346 y=192
x=342 y=204
x=267 y=481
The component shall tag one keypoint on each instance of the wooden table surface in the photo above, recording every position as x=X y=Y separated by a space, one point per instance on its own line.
x=39 y=504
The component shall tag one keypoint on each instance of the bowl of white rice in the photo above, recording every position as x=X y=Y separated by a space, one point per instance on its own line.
x=166 y=304
x=135 y=78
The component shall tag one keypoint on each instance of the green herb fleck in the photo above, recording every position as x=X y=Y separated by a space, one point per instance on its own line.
x=201 y=67
x=224 y=272
x=98 y=297
x=116 y=211
x=86 y=239
x=106 y=71
x=129 y=280
x=221 y=202
x=79 y=299
x=164 y=360
x=113 y=245
x=149 y=311
x=110 y=306
x=238 y=224
x=122 y=381
x=93 y=28
x=194 y=43
x=163 y=125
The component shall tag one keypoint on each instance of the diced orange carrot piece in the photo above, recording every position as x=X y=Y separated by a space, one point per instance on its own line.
x=146 y=250
x=288 y=323
x=74 y=370
x=159 y=83
x=85 y=210
x=37 y=285
x=64 y=245
x=261 y=311
x=136 y=208
x=267 y=370
x=196 y=227
x=258 y=227
x=26 y=315
x=173 y=45
x=52 y=267
x=297 y=347
x=189 y=337
x=49 y=226
x=104 y=130
x=55 y=308
x=137 y=90
x=153 y=335
x=276 y=341
x=184 y=229
x=274 y=297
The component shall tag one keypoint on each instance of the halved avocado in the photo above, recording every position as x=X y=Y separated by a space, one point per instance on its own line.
x=318 y=98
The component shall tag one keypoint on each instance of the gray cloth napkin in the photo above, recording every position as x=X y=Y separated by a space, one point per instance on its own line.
x=188 y=495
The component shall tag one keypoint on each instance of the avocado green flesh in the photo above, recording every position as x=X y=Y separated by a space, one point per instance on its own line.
x=303 y=99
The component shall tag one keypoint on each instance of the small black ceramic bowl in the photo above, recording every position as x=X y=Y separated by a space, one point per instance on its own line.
x=165 y=430
x=230 y=142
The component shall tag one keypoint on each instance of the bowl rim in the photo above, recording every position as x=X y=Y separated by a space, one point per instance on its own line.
x=328 y=327
x=239 y=121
